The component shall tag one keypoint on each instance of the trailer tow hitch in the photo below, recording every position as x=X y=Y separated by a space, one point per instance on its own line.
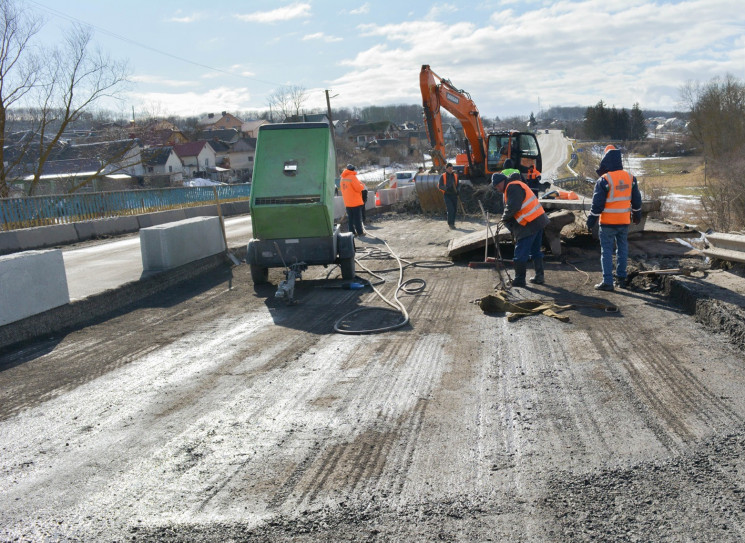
x=286 y=288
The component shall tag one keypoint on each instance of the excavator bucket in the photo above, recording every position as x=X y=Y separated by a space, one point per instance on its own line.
x=430 y=197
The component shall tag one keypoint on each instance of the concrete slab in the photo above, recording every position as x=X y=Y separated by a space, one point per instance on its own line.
x=9 y=242
x=161 y=217
x=33 y=282
x=174 y=244
x=46 y=236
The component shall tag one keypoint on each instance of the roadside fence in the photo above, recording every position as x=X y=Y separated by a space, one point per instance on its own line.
x=26 y=212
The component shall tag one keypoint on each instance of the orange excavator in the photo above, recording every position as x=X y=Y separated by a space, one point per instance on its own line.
x=484 y=154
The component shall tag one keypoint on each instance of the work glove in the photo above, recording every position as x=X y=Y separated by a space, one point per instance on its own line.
x=636 y=217
x=592 y=220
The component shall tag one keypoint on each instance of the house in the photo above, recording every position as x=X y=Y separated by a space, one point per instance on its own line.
x=226 y=135
x=242 y=154
x=250 y=129
x=105 y=166
x=159 y=134
x=213 y=122
x=197 y=157
x=361 y=134
x=163 y=167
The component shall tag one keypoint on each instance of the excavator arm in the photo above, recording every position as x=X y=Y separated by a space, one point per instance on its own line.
x=437 y=93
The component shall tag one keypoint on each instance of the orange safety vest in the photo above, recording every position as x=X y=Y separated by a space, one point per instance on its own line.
x=351 y=189
x=444 y=180
x=531 y=208
x=535 y=173
x=618 y=203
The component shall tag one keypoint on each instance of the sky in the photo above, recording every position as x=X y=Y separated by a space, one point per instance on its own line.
x=514 y=57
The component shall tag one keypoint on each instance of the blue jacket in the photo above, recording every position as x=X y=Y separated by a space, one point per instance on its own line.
x=612 y=162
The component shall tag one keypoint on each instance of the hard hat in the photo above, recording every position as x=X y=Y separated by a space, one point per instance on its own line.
x=350 y=167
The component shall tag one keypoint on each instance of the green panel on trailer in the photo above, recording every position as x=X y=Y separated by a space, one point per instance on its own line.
x=292 y=192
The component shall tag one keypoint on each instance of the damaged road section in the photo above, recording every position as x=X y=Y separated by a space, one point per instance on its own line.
x=211 y=411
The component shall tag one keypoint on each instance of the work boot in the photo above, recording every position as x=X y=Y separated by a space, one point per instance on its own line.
x=538 y=277
x=621 y=282
x=604 y=286
x=519 y=280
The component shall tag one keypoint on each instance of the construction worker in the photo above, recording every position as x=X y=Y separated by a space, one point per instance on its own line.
x=448 y=185
x=616 y=201
x=533 y=180
x=351 y=193
x=509 y=169
x=525 y=218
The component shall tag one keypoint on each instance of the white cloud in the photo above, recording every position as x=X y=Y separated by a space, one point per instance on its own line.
x=157 y=80
x=293 y=11
x=439 y=11
x=362 y=10
x=194 y=17
x=194 y=103
x=321 y=36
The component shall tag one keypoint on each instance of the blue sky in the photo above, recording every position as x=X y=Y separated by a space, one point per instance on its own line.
x=513 y=57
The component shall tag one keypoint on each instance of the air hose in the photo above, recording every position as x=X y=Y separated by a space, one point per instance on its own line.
x=410 y=286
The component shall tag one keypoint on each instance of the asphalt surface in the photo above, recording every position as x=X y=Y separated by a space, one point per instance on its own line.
x=213 y=412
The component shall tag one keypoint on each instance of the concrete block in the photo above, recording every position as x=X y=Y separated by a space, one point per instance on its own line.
x=85 y=230
x=174 y=244
x=387 y=196
x=32 y=282
x=241 y=207
x=116 y=225
x=9 y=242
x=46 y=236
x=339 y=209
x=405 y=192
x=201 y=211
x=161 y=217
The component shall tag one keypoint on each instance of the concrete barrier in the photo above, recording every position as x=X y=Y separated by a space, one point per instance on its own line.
x=160 y=217
x=9 y=242
x=387 y=196
x=339 y=209
x=170 y=245
x=32 y=282
x=405 y=192
x=46 y=236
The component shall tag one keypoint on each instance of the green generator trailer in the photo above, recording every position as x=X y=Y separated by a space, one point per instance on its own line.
x=292 y=204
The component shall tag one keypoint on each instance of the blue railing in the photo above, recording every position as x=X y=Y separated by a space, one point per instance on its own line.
x=31 y=211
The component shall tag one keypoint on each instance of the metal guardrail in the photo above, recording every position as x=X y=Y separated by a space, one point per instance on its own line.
x=16 y=213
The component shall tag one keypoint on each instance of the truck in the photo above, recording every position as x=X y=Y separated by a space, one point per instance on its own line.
x=483 y=153
x=292 y=205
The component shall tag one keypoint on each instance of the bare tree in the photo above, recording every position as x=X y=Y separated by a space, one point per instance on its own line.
x=61 y=83
x=279 y=102
x=298 y=96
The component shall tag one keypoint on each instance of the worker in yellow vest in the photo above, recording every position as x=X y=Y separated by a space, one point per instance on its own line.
x=525 y=217
x=616 y=201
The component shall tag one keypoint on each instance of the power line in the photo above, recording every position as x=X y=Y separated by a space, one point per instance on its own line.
x=144 y=46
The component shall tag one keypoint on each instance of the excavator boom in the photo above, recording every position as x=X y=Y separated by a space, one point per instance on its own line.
x=438 y=92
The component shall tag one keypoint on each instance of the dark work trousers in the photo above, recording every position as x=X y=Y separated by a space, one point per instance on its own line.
x=354 y=218
x=451 y=204
x=364 y=201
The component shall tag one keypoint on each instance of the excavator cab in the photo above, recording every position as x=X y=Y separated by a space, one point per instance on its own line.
x=521 y=147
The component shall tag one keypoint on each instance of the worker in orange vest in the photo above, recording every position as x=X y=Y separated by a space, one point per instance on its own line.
x=616 y=201
x=525 y=217
x=448 y=185
x=351 y=193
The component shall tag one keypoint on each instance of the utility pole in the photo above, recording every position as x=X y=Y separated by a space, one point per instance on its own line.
x=331 y=125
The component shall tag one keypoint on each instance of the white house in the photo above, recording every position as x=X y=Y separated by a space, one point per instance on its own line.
x=196 y=156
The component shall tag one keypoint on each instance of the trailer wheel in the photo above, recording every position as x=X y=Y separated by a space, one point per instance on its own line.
x=347 y=268
x=259 y=275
